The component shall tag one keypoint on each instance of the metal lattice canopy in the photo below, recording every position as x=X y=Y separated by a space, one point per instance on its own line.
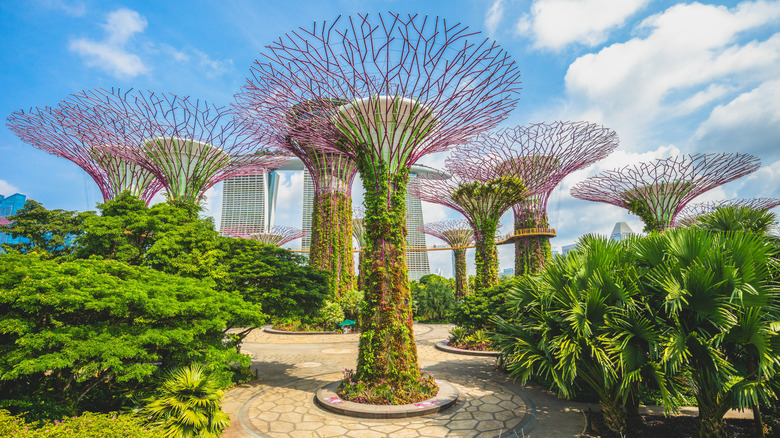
x=70 y=131
x=188 y=144
x=277 y=235
x=689 y=214
x=456 y=233
x=662 y=188
x=409 y=85
x=541 y=154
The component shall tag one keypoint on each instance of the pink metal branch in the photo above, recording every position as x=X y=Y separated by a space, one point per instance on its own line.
x=189 y=145
x=277 y=235
x=442 y=83
x=69 y=131
x=541 y=154
x=692 y=211
x=665 y=186
x=457 y=233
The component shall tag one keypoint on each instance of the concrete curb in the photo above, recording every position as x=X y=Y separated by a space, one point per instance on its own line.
x=269 y=329
x=327 y=399
x=443 y=346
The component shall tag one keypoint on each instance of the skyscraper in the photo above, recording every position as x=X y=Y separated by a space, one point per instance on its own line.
x=417 y=261
x=621 y=231
x=8 y=206
x=249 y=202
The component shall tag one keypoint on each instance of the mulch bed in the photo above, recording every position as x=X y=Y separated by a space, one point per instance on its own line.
x=658 y=426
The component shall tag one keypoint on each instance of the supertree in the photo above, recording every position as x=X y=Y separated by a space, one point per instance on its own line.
x=332 y=175
x=541 y=154
x=65 y=131
x=458 y=235
x=414 y=85
x=482 y=202
x=689 y=214
x=189 y=145
x=359 y=232
x=278 y=235
x=656 y=191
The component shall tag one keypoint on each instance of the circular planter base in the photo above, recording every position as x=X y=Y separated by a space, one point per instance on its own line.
x=444 y=346
x=269 y=329
x=328 y=399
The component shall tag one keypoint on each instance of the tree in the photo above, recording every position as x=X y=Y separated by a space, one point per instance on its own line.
x=188 y=405
x=78 y=334
x=587 y=322
x=433 y=297
x=721 y=311
x=277 y=279
x=49 y=232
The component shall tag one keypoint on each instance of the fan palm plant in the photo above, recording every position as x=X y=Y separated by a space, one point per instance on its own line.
x=189 y=405
x=586 y=322
x=721 y=312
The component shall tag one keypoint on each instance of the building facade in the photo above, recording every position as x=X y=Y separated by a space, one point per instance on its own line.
x=249 y=202
x=8 y=206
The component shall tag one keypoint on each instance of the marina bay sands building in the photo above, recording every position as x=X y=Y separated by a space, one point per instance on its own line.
x=250 y=202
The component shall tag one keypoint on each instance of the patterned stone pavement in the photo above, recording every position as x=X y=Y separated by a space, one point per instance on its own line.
x=280 y=403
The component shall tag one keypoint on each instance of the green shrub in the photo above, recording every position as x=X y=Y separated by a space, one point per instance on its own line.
x=433 y=298
x=88 y=424
x=476 y=309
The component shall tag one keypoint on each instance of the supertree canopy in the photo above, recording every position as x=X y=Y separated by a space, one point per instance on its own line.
x=689 y=214
x=458 y=235
x=541 y=155
x=332 y=174
x=278 y=235
x=657 y=191
x=413 y=85
x=189 y=145
x=66 y=131
x=482 y=203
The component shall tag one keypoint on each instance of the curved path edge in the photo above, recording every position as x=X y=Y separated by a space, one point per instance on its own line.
x=328 y=399
x=444 y=346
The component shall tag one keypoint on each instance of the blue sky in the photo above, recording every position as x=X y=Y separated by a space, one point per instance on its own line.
x=670 y=77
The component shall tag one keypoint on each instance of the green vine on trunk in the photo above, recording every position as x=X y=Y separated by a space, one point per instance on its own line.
x=332 y=239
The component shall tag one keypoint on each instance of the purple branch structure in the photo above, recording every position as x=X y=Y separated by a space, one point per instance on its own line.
x=65 y=131
x=332 y=175
x=657 y=191
x=277 y=235
x=458 y=235
x=541 y=155
x=691 y=212
x=189 y=145
x=403 y=87
x=482 y=203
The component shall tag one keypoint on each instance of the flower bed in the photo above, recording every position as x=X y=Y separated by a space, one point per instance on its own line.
x=385 y=393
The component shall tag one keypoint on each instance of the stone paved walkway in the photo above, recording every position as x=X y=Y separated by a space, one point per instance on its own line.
x=292 y=368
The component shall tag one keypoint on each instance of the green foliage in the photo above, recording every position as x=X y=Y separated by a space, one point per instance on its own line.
x=331 y=314
x=188 y=404
x=384 y=392
x=49 y=232
x=475 y=311
x=331 y=239
x=275 y=278
x=87 y=425
x=432 y=298
x=738 y=218
x=640 y=208
x=75 y=335
x=351 y=303
x=457 y=335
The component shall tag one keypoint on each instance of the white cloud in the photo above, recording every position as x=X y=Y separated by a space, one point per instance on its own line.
x=555 y=24
x=689 y=59
x=112 y=54
x=494 y=16
x=7 y=189
x=750 y=122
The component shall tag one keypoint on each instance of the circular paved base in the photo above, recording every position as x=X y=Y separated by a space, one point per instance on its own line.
x=328 y=399
x=444 y=346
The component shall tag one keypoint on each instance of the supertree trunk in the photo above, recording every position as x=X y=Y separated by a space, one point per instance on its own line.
x=534 y=251
x=387 y=350
x=486 y=256
x=461 y=274
x=331 y=240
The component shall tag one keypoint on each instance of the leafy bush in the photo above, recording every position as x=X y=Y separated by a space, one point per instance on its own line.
x=476 y=309
x=331 y=315
x=88 y=424
x=383 y=393
x=188 y=404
